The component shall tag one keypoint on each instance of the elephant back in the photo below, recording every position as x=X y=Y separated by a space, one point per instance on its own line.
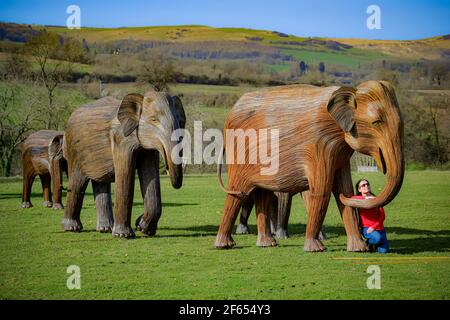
x=35 y=148
x=87 y=139
x=37 y=142
x=278 y=106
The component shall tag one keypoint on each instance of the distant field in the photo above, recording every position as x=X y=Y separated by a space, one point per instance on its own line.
x=183 y=33
x=430 y=48
x=76 y=67
x=181 y=263
x=180 y=88
x=195 y=110
x=433 y=91
x=351 y=58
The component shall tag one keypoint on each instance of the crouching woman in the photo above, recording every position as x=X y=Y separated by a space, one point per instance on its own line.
x=371 y=220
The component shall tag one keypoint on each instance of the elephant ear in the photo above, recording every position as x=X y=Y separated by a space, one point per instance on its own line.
x=389 y=91
x=129 y=112
x=178 y=106
x=342 y=106
x=55 y=147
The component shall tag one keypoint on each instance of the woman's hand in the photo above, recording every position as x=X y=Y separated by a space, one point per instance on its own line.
x=370 y=230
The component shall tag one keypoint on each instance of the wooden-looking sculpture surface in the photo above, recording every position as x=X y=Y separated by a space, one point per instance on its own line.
x=319 y=129
x=107 y=141
x=42 y=156
x=279 y=219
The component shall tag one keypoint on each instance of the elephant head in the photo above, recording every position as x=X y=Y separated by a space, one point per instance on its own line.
x=154 y=117
x=372 y=123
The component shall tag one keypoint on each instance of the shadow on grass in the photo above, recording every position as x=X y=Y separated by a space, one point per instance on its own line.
x=416 y=245
x=169 y=204
x=5 y=196
x=426 y=241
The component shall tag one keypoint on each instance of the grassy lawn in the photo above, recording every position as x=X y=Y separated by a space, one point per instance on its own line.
x=181 y=263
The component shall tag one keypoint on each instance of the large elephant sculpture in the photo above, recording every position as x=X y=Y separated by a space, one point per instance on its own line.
x=42 y=156
x=107 y=141
x=319 y=129
x=279 y=219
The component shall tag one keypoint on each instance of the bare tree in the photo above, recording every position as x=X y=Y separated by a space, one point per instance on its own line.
x=55 y=57
x=438 y=112
x=15 y=123
x=159 y=73
x=439 y=73
x=16 y=67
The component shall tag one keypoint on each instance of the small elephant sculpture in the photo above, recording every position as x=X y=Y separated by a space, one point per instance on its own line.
x=279 y=219
x=106 y=141
x=319 y=129
x=42 y=156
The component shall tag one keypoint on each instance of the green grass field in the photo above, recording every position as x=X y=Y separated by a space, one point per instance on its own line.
x=181 y=263
x=351 y=58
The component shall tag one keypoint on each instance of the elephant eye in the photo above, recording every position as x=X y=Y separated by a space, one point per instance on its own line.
x=377 y=122
x=153 y=119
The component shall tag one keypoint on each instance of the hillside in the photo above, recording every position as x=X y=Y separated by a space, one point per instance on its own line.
x=430 y=48
x=333 y=50
x=233 y=56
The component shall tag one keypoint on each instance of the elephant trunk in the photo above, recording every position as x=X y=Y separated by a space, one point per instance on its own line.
x=176 y=174
x=394 y=167
x=174 y=170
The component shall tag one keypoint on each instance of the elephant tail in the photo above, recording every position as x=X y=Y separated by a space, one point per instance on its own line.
x=219 y=176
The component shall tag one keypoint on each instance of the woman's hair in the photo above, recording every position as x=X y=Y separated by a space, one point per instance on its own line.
x=357 y=187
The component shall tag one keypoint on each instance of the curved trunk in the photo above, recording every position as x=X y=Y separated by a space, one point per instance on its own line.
x=176 y=174
x=394 y=167
x=175 y=171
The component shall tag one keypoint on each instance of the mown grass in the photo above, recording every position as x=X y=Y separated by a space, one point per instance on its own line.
x=181 y=263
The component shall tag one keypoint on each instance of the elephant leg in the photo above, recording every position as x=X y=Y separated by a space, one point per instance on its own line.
x=320 y=186
x=56 y=176
x=265 y=207
x=246 y=210
x=103 y=206
x=305 y=197
x=273 y=214
x=343 y=184
x=46 y=189
x=28 y=178
x=75 y=195
x=317 y=207
x=148 y=171
x=231 y=210
x=283 y=213
x=125 y=167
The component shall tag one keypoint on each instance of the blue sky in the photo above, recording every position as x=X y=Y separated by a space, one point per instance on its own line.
x=400 y=19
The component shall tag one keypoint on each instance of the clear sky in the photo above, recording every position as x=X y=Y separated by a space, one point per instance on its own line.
x=400 y=19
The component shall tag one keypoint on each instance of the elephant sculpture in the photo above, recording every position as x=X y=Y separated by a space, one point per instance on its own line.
x=319 y=129
x=279 y=219
x=106 y=141
x=42 y=156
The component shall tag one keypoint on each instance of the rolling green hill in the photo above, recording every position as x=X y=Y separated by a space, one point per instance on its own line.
x=348 y=52
x=431 y=48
